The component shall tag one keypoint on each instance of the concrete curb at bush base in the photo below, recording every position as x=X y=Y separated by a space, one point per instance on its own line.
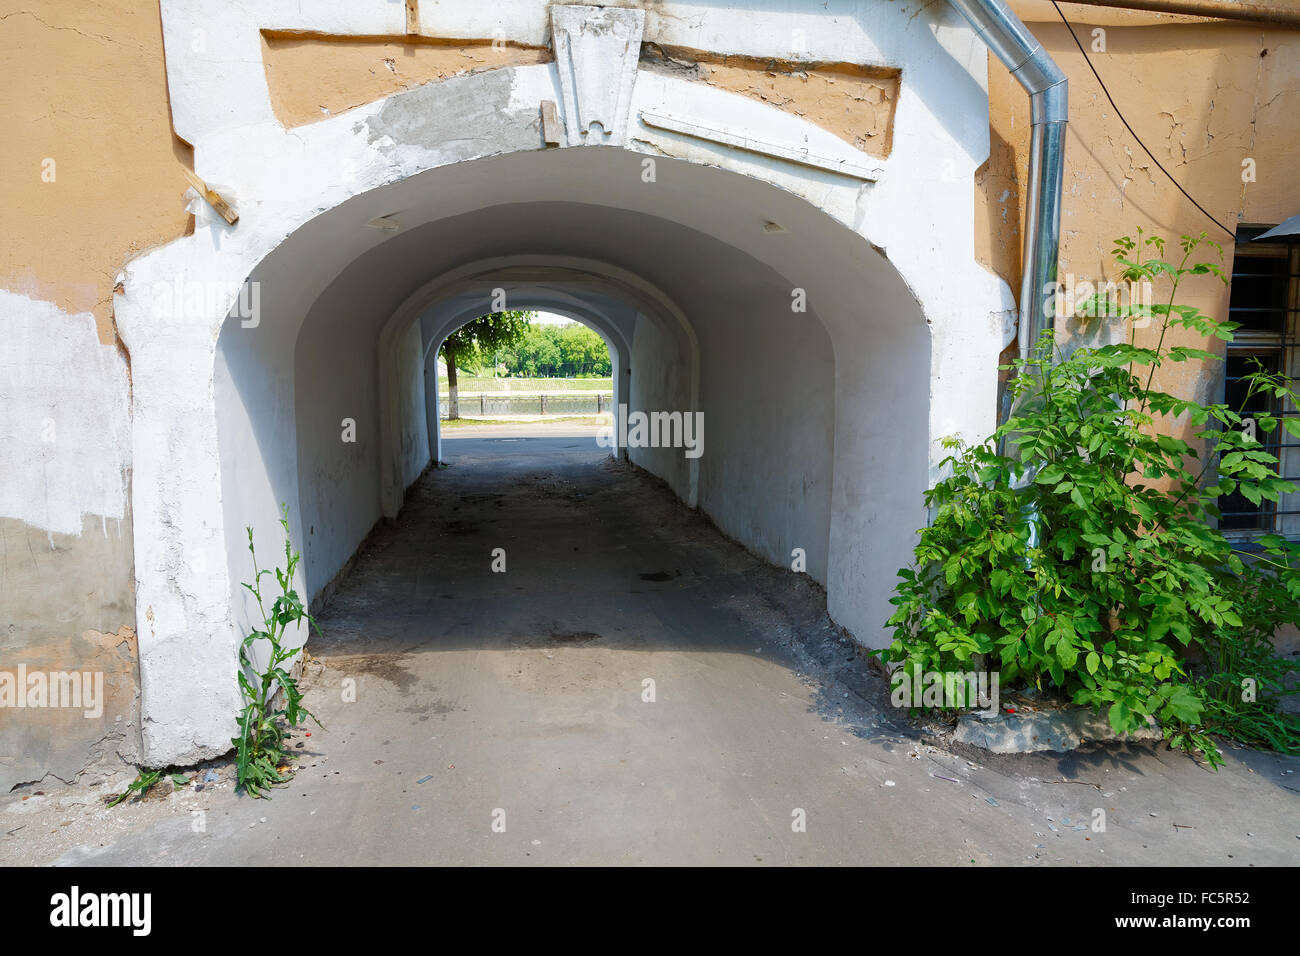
x=1059 y=730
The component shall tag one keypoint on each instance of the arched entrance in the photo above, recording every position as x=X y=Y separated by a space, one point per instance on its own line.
x=731 y=284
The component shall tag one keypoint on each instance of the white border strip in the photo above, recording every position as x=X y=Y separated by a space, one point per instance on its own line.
x=802 y=157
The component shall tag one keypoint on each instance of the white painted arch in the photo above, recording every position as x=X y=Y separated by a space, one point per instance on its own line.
x=902 y=323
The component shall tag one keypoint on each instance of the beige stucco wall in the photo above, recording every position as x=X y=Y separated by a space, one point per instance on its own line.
x=84 y=85
x=1203 y=95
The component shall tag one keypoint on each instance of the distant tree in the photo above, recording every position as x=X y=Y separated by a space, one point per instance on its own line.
x=579 y=346
x=562 y=351
x=477 y=342
x=548 y=351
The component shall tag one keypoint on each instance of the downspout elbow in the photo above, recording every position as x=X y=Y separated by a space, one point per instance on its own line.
x=1019 y=50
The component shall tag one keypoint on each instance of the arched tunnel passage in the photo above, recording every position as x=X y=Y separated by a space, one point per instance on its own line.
x=802 y=347
x=540 y=315
x=551 y=307
x=567 y=288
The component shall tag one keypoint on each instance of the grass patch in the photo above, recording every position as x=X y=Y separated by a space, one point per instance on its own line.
x=448 y=423
x=475 y=384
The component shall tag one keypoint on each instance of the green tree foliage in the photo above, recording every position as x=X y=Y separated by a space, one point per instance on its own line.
x=1085 y=557
x=477 y=342
x=558 y=351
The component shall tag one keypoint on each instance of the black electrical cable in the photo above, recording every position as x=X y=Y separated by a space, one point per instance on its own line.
x=1230 y=232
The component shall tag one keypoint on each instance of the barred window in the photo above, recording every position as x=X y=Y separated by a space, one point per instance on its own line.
x=1264 y=300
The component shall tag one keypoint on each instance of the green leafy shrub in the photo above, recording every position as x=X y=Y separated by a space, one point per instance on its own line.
x=260 y=750
x=1243 y=682
x=1076 y=549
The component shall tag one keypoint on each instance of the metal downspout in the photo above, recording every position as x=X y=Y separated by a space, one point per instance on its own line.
x=1022 y=54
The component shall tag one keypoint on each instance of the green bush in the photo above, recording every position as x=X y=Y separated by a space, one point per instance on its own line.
x=1076 y=549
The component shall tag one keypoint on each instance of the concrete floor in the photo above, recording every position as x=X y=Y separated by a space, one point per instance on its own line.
x=517 y=697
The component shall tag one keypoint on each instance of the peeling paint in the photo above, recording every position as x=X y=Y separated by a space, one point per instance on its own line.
x=314 y=76
x=852 y=101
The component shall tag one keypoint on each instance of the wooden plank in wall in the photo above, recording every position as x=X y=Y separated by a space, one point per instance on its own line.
x=214 y=199
x=550 y=123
